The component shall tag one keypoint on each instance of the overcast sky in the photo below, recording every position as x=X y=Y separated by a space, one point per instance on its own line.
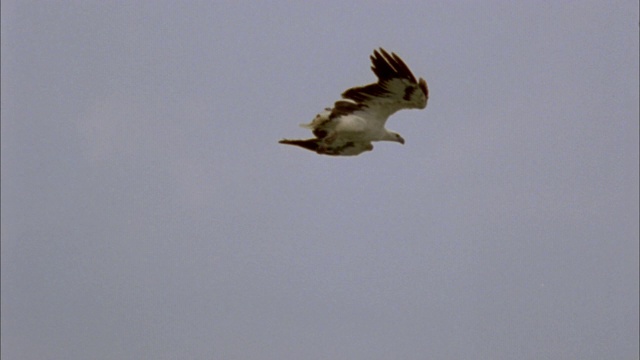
x=149 y=212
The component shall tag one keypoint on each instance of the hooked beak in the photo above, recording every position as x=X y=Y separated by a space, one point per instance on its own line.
x=401 y=140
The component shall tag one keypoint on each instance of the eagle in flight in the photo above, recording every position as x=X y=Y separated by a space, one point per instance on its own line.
x=358 y=118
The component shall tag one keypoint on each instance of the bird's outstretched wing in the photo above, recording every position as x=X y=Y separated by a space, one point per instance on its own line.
x=395 y=90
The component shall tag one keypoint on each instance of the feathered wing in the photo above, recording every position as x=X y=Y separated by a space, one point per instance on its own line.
x=395 y=90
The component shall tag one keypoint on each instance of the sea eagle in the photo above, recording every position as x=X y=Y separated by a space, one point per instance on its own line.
x=358 y=118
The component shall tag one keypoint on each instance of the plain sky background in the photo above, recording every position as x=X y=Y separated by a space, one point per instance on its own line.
x=149 y=212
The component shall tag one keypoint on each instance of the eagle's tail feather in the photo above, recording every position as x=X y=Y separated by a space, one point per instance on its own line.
x=309 y=144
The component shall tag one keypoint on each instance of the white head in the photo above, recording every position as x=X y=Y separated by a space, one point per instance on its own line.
x=393 y=136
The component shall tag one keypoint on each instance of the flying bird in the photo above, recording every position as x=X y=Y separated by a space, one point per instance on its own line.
x=349 y=127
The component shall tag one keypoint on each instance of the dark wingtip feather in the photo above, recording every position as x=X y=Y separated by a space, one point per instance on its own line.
x=388 y=66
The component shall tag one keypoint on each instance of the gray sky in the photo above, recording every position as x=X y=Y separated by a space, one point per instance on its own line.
x=149 y=212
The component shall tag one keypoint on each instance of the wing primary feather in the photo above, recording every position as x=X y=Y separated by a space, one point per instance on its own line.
x=403 y=69
x=388 y=66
